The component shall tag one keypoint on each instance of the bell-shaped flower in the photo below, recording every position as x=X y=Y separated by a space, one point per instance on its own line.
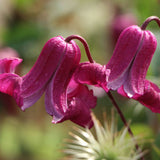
x=65 y=99
x=8 y=62
x=29 y=88
x=35 y=82
x=70 y=98
x=9 y=81
x=52 y=73
x=129 y=64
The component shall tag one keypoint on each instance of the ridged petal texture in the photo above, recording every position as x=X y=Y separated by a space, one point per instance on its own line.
x=137 y=48
x=151 y=97
x=56 y=93
x=8 y=65
x=65 y=100
x=31 y=86
x=92 y=74
x=135 y=82
x=81 y=100
x=34 y=83
x=126 y=48
x=9 y=81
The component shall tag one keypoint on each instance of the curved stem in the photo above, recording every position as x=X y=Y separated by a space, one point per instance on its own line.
x=148 y=20
x=83 y=41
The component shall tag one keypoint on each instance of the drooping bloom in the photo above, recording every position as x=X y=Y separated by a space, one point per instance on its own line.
x=52 y=73
x=90 y=74
x=129 y=64
x=72 y=92
x=66 y=99
x=29 y=88
x=7 y=65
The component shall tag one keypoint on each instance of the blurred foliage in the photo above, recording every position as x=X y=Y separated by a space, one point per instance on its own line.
x=24 y=5
x=147 y=8
x=23 y=37
x=30 y=140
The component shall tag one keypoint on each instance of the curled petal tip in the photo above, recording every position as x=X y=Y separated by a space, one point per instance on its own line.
x=56 y=120
x=8 y=65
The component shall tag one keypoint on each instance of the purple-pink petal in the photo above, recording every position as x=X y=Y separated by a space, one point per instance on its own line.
x=34 y=83
x=92 y=74
x=151 y=97
x=124 y=53
x=56 y=92
x=80 y=101
x=10 y=84
x=8 y=65
x=136 y=78
x=129 y=78
x=80 y=104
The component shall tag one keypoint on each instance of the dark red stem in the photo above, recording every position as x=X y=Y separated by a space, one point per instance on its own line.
x=83 y=41
x=148 y=20
x=123 y=119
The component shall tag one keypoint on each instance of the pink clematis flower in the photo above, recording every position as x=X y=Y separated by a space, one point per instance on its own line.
x=91 y=74
x=52 y=73
x=129 y=64
x=68 y=94
x=28 y=89
x=9 y=61
x=63 y=98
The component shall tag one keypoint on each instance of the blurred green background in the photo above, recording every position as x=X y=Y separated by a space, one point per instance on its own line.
x=26 y=25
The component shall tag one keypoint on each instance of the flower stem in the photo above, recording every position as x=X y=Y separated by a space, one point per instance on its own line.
x=148 y=20
x=123 y=119
x=68 y=39
x=83 y=41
